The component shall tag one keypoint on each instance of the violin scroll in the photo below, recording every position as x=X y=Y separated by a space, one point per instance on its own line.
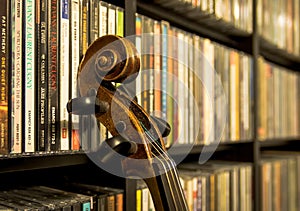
x=112 y=58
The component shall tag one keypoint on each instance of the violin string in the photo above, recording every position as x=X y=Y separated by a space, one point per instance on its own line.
x=170 y=172
x=163 y=157
x=171 y=175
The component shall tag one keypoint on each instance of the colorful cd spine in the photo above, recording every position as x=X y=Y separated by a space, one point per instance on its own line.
x=42 y=78
x=5 y=68
x=64 y=73
x=74 y=61
x=53 y=74
x=29 y=77
x=16 y=136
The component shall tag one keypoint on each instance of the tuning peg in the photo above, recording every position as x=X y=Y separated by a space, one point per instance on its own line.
x=117 y=144
x=87 y=105
x=162 y=125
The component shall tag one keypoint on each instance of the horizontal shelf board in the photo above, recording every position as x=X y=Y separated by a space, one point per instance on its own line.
x=278 y=56
x=195 y=21
x=22 y=162
x=197 y=149
x=278 y=142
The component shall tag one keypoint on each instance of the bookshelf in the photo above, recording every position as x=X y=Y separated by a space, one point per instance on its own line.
x=183 y=16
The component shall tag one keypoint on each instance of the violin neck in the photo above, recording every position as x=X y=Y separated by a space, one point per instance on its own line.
x=166 y=192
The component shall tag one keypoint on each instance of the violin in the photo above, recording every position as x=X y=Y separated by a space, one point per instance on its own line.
x=137 y=136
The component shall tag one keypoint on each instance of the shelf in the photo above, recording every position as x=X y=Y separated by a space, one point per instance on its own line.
x=197 y=149
x=182 y=15
x=279 y=142
x=22 y=162
x=278 y=56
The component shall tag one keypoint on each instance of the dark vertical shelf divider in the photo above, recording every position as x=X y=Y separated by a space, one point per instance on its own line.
x=130 y=194
x=130 y=184
x=256 y=146
x=130 y=10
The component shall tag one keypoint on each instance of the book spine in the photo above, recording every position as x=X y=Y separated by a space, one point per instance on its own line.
x=102 y=18
x=5 y=68
x=119 y=201
x=164 y=37
x=208 y=94
x=16 y=138
x=194 y=191
x=148 y=64
x=276 y=102
x=285 y=108
x=84 y=26
x=157 y=71
x=94 y=20
x=199 y=195
x=289 y=26
x=110 y=202
x=175 y=85
x=270 y=102
x=138 y=44
x=296 y=105
x=53 y=74
x=260 y=130
x=247 y=104
x=219 y=66
x=42 y=78
x=191 y=76
x=74 y=61
x=201 y=91
x=120 y=21
x=111 y=19
x=101 y=202
x=169 y=83
x=242 y=96
x=13 y=58
x=86 y=206
x=197 y=86
x=185 y=63
x=138 y=200
x=30 y=71
x=296 y=25
x=180 y=90
x=234 y=96
x=37 y=66
x=145 y=199
x=145 y=61
x=213 y=192
x=64 y=74
x=205 y=193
